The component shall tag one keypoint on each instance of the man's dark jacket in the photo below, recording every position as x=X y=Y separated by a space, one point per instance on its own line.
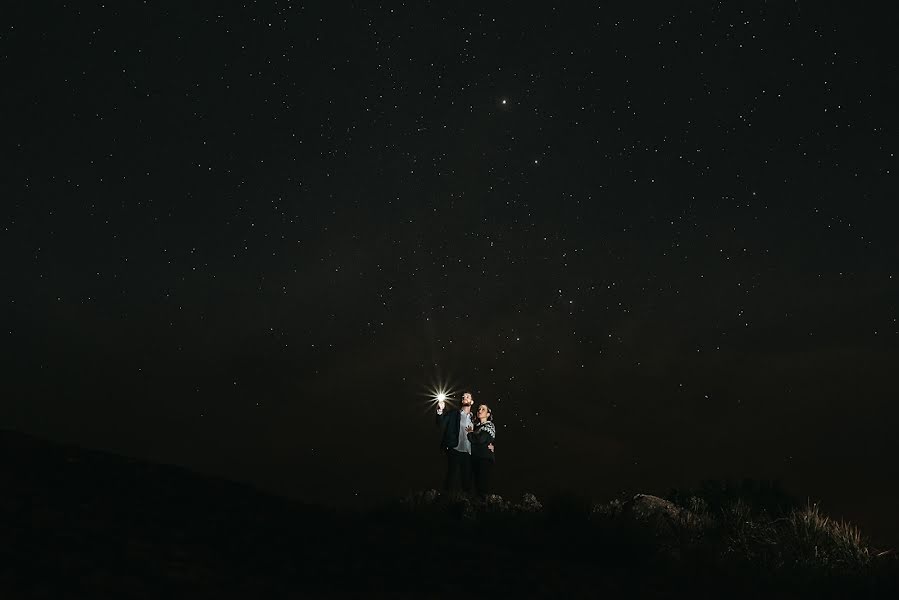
x=448 y=423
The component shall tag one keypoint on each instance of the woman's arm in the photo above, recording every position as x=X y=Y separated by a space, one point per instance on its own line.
x=481 y=436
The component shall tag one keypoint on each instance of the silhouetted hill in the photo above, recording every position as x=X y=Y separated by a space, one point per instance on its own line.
x=78 y=523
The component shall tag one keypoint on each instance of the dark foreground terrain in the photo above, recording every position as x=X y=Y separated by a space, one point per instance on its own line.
x=76 y=523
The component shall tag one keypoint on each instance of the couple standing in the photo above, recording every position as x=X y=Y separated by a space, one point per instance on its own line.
x=468 y=444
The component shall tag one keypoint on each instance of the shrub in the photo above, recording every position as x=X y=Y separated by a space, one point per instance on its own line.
x=814 y=541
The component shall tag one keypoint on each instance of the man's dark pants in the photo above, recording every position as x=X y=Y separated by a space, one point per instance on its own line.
x=458 y=471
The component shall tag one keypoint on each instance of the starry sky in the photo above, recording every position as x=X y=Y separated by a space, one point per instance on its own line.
x=660 y=241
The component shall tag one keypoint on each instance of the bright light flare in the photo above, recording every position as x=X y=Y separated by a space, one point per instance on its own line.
x=440 y=392
x=439 y=395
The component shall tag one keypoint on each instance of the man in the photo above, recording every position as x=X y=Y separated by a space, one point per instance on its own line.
x=455 y=425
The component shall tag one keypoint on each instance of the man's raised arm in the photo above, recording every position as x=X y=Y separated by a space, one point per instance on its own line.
x=441 y=413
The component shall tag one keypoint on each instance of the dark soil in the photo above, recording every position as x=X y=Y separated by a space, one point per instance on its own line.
x=77 y=523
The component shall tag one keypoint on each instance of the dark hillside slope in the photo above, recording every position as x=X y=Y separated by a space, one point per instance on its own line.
x=79 y=523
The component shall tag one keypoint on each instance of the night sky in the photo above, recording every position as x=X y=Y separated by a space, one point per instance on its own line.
x=660 y=241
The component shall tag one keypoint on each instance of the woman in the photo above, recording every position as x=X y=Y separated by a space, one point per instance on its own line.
x=482 y=457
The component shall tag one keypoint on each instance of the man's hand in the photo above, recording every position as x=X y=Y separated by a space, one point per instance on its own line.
x=440 y=405
x=490 y=446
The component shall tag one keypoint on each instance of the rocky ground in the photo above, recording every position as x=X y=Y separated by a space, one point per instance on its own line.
x=83 y=524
